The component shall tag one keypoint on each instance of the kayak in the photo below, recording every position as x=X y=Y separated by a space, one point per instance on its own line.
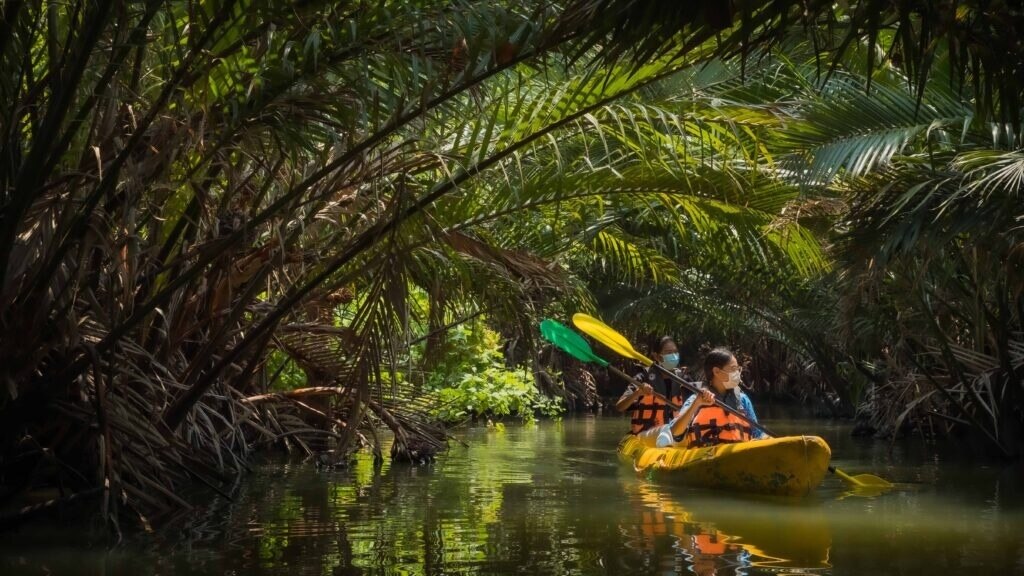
x=785 y=466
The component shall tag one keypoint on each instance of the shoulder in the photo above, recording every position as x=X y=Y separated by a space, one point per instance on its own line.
x=745 y=400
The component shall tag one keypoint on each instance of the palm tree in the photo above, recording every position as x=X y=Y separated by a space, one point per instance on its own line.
x=186 y=189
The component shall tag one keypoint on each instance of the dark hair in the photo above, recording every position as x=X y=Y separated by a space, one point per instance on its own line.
x=665 y=340
x=717 y=358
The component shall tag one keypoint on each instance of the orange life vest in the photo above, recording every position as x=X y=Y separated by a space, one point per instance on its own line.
x=652 y=523
x=712 y=425
x=712 y=544
x=651 y=411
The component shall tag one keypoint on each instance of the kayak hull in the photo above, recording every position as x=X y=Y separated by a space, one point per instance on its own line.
x=786 y=466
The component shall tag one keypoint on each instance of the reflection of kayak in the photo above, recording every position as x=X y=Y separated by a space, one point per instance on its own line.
x=768 y=532
x=774 y=534
x=788 y=466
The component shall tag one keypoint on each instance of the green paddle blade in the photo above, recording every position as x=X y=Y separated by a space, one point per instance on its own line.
x=569 y=342
x=604 y=334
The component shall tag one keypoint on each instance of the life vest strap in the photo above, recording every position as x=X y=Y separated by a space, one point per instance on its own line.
x=651 y=411
x=705 y=430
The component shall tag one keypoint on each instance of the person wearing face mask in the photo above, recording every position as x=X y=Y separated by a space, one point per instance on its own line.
x=702 y=423
x=650 y=411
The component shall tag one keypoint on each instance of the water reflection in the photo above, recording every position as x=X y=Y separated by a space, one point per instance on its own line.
x=553 y=499
x=486 y=509
x=717 y=535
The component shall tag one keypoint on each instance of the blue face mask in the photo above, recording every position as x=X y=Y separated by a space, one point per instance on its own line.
x=670 y=361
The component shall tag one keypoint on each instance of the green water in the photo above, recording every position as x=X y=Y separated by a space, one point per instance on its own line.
x=552 y=499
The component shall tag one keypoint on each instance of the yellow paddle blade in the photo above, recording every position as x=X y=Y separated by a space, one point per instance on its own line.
x=606 y=335
x=861 y=480
x=872 y=481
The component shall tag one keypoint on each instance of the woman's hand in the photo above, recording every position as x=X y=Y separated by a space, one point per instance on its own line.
x=704 y=398
x=645 y=390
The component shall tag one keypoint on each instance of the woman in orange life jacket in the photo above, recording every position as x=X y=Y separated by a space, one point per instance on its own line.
x=650 y=411
x=701 y=422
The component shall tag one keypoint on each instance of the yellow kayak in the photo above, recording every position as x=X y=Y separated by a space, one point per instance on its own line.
x=786 y=466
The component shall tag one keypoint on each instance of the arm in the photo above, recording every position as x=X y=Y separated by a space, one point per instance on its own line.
x=666 y=437
x=632 y=394
x=693 y=404
x=627 y=399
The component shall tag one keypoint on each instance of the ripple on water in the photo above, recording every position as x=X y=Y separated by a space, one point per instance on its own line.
x=552 y=499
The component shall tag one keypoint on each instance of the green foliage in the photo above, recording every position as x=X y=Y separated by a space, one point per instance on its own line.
x=472 y=380
x=498 y=392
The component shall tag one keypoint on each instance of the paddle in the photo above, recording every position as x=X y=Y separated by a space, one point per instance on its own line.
x=619 y=344
x=574 y=345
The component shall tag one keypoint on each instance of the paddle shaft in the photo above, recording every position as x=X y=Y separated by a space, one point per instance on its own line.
x=691 y=388
x=618 y=343
x=640 y=384
x=718 y=402
x=860 y=480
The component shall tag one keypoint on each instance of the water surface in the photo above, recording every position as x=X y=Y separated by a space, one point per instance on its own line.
x=553 y=499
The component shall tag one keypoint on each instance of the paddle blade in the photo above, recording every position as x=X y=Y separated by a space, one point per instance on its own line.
x=869 y=481
x=606 y=335
x=872 y=481
x=569 y=342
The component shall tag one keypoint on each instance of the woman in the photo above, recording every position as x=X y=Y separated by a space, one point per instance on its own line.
x=650 y=411
x=701 y=422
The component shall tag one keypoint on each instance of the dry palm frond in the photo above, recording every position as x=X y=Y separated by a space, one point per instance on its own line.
x=524 y=266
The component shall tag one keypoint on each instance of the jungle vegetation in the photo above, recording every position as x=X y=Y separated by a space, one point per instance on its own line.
x=233 y=223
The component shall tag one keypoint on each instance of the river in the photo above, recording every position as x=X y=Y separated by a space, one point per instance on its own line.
x=551 y=498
